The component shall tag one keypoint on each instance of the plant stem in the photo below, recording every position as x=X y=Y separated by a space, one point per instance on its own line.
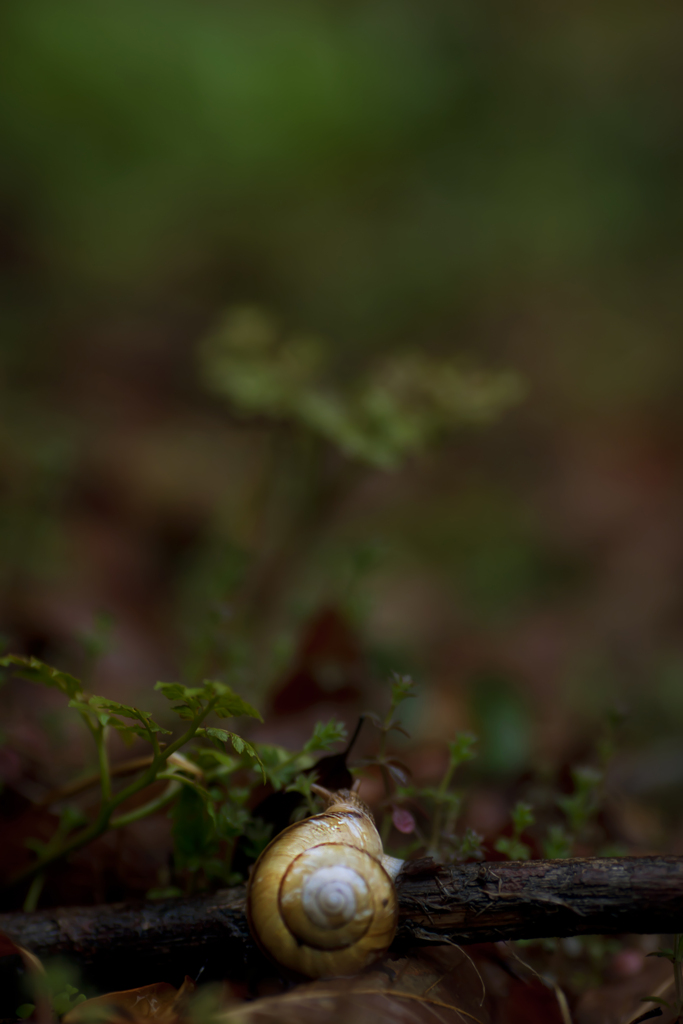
x=385 y=826
x=101 y=823
x=99 y=734
x=154 y=741
x=165 y=798
x=103 y=758
x=433 y=848
x=123 y=768
x=33 y=894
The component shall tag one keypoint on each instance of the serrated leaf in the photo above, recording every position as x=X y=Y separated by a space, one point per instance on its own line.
x=176 y=691
x=183 y=711
x=119 y=709
x=126 y=731
x=172 y=691
x=213 y=688
x=402 y=688
x=229 y=705
x=82 y=706
x=38 y=672
x=247 y=748
x=237 y=742
x=240 y=746
x=325 y=735
x=217 y=734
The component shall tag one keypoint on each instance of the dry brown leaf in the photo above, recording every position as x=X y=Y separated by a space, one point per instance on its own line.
x=439 y=986
x=442 y=985
x=404 y=991
x=161 y=1003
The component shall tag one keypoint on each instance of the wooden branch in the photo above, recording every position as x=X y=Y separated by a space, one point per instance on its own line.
x=543 y=898
x=455 y=903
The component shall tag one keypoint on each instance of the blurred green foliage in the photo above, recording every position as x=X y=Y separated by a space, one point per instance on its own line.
x=250 y=250
x=397 y=411
x=382 y=159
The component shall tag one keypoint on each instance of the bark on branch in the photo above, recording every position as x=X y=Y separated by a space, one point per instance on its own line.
x=456 y=903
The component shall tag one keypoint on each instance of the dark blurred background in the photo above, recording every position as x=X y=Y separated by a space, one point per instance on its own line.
x=343 y=338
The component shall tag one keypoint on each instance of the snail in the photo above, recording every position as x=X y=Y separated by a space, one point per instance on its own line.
x=321 y=897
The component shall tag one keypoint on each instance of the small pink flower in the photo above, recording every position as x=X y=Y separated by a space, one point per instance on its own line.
x=403 y=820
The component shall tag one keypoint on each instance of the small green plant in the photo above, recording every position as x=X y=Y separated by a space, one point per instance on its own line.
x=392 y=770
x=441 y=841
x=192 y=704
x=512 y=846
x=446 y=804
x=211 y=772
x=580 y=809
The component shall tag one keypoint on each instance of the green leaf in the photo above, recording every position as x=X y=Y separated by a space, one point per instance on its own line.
x=126 y=731
x=558 y=843
x=83 y=707
x=461 y=749
x=38 y=672
x=25 y=1010
x=241 y=746
x=183 y=711
x=302 y=784
x=226 y=703
x=522 y=817
x=222 y=735
x=191 y=697
x=120 y=709
x=229 y=705
x=172 y=691
x=325 y=735
x=402 y=688
x=469 y=844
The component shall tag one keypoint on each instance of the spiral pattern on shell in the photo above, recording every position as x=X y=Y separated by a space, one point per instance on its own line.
x=323 y=907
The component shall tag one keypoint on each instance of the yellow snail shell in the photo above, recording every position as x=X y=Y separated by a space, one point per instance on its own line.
x=321 y=897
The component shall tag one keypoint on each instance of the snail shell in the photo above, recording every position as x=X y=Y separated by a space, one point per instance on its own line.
x=321 y=897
